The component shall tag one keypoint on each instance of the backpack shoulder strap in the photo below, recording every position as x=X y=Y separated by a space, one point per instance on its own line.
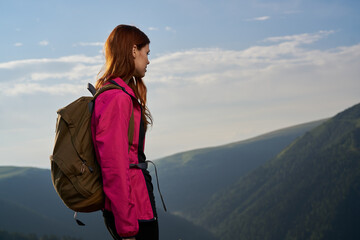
x=132 y=122
x=114 y=85
x=105 y=88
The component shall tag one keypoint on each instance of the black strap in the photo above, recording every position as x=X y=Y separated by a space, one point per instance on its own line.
x=115 y=83
x=144 y=166
x=80 y=223
x=158 y=186
x=92 y=89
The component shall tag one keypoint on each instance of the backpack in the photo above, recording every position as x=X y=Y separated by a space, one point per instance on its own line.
x=75 y=172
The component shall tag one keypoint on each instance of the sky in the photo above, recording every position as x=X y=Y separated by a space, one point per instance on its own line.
x=220 y=71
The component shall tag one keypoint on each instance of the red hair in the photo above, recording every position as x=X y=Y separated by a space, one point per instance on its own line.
x=119 y=62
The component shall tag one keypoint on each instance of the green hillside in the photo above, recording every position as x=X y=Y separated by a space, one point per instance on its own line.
x=189 y=179
x=7 y=172
x=311 y=190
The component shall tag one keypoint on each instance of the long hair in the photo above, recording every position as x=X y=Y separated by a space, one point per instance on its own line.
x=119 y=62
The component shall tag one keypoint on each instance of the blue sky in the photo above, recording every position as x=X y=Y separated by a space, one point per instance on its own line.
x=220 y=71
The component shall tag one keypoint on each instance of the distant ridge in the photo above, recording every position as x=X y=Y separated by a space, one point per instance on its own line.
x=299 y=128
x=9 y=171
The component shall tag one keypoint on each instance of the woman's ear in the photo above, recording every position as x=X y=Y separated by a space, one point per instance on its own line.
x=134 y=50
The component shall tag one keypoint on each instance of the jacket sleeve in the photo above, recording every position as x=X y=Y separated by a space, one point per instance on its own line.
x=111 y=141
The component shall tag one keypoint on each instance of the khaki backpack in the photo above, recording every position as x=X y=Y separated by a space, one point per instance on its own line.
x=75 y=173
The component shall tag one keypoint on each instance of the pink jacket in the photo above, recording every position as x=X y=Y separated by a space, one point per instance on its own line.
x=126 y=193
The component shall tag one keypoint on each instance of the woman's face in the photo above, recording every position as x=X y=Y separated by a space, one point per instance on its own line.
x=141 y=60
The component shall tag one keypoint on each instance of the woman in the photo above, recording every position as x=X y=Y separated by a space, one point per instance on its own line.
x=129 y=201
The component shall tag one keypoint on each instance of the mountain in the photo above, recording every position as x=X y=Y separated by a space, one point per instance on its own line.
x=311 y=190
x=30 y=205
x=189 y=179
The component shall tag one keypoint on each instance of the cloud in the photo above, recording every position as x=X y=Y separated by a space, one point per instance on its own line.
x=48 y=75
x=89 y=44
x=170 y=29
x=202 y=67
x=263 y=18
x=18 y=44
x=301 y=38
x=66 y=59
x=261 y=73
x=208 y=65
x=76 y=72
x=167 y=28
x=29 y=88
x=43 y=43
